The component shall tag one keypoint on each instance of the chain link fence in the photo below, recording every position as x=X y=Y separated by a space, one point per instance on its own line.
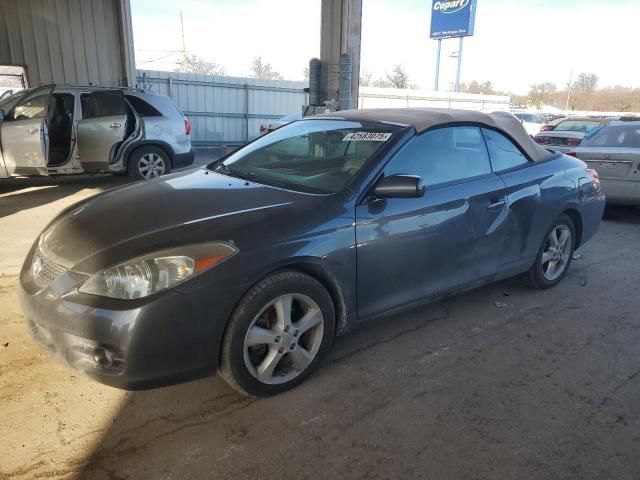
x=12 y=79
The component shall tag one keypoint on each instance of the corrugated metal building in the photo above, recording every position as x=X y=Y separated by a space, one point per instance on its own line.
x=225 y=110
x=69 y=41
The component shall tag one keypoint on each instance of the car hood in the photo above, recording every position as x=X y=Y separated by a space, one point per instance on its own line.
x=187 y=208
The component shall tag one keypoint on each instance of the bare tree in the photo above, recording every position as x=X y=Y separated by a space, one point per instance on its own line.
x=261 y=69
x=541 y=92
x=366 y=78
x=193 y=64
x=398 y=78
x=586 y=82
x=475 y=86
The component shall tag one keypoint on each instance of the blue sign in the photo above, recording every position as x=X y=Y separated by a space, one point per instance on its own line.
x=452 y=18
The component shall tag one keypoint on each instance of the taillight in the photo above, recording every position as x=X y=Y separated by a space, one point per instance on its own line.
x=187 y=126
x=546 y=128
x=573 y=142
x=542 y=139
x=594 y=175
x=572 y=154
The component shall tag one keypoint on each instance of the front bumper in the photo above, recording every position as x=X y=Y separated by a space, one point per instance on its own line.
x=167 y=338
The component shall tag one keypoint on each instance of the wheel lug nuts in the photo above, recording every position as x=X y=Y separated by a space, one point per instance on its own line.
x=293 y=345
x=295 y=333
x=281 y=350
x=277 y=339
x=287 y=328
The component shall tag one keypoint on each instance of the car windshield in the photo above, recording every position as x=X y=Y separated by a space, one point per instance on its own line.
x=291 y=117
x=314 y=156
x=615 y=136
x=577 y=126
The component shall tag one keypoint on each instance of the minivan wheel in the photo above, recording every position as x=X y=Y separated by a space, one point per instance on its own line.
x=148 y=162
x=554 y=257
x=277 y=334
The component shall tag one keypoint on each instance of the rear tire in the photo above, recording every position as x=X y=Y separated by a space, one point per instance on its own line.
x=148 y=162
x=277 y=334
x=555 y=254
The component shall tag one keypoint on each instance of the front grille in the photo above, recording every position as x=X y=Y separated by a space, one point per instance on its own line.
x=44 y=271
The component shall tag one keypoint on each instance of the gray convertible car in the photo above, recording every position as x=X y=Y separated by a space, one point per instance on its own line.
x=252 y=265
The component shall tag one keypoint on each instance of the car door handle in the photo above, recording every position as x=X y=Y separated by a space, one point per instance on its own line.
x=33 y=131
x=497 y=202
x=115 y=125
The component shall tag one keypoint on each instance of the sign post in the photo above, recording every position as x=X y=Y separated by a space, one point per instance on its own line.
x=451 y=19
x=435 y=83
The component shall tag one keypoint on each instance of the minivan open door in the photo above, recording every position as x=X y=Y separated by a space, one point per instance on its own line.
x=23 y=133
x=102 y=128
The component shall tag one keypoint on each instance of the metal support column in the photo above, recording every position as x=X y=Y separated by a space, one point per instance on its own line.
x=246 y=112
x=340 y=32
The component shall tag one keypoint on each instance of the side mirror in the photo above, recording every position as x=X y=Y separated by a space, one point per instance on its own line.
x=399 y=186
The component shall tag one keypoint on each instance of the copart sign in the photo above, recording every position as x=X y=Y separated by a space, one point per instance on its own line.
x=452 y=18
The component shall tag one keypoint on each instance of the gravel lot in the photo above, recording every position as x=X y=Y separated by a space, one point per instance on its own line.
x=500 y=383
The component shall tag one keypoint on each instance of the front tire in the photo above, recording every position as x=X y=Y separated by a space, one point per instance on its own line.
x=555 y=254
x=149 y=162
x=277 y=334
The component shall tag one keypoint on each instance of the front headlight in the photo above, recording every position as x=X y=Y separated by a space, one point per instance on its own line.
x=152 y=273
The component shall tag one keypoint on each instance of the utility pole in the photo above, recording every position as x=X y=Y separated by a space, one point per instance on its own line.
x=184 y=43
x=566 y=107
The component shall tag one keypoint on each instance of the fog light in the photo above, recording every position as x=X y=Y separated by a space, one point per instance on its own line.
x=103 y=357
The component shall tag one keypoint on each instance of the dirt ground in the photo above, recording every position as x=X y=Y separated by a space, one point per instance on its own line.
x=500 y=383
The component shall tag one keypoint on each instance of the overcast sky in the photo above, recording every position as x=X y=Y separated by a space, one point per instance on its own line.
x=516 y=43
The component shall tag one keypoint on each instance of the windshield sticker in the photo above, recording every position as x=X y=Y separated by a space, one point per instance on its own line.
x=366 y=137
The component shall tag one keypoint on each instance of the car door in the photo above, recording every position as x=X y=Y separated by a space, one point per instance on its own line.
x=526 y=214
x=410 y=249
x=23 y=134
x=102 y=127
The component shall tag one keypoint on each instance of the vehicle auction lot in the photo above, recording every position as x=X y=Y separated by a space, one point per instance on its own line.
x=501 y=382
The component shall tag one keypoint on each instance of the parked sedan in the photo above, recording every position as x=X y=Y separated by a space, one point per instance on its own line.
x=259 y=260
x=532 y=123
x=568 y=133
x=614 y=152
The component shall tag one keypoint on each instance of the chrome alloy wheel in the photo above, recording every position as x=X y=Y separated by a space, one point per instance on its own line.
x=557 y=250
x=151 y=165
x=283 y=339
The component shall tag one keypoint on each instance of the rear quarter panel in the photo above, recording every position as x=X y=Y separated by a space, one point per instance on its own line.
x=537 y=194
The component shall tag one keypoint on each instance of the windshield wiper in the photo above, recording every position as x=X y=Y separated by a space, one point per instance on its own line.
x=222 y=168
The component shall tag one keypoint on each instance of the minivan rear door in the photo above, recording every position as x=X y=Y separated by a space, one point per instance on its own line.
x=23 y=133
x=102 y=128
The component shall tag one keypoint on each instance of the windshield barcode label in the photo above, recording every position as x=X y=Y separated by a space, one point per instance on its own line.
x=366 y=137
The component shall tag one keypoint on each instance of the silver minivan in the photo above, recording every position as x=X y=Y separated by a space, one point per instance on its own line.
x=60 y=130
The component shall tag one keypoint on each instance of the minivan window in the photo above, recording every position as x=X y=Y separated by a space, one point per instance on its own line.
x=142 y=108
x=33 y=107
x=102 y=104
x=504 y=154
x=442 y=156
x=315 y=156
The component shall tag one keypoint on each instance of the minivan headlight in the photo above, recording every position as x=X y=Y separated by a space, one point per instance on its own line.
x=148 y=274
